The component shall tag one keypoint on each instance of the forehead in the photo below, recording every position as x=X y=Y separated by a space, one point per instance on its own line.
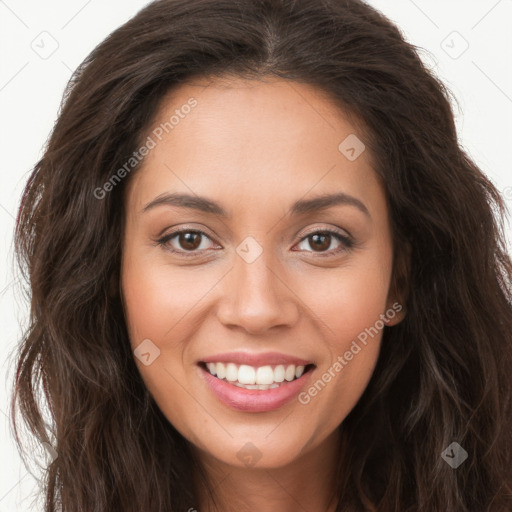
x=253 y=143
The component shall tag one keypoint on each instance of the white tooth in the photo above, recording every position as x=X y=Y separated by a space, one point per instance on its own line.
x=273 y=386
x=211 y=368
x=299 y=371
x=263 y=386
x=239 y=385
x=279 y=373
x=221 y=370
x=264 y=375
x=289 y=374
x=251 y=386
x=231 y=372
x=246 y=374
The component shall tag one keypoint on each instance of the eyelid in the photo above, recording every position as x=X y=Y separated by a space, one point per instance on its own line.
x=333 y=229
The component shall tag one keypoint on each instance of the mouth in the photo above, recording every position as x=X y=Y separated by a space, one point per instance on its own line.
x=256 y=383
x=259 y=378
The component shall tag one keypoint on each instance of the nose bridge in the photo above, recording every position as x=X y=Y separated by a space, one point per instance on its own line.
x=258 y=275
x=256 y=297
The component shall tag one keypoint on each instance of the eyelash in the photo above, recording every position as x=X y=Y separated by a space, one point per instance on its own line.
x=347 y=242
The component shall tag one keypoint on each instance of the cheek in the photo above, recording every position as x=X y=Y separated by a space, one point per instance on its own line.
x=159 y=297
x=350 y=308
x=348 y=300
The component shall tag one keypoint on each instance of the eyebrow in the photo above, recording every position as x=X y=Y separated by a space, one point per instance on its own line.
x=300 y=207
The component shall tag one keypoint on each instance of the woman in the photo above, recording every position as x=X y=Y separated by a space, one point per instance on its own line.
x=264 y=274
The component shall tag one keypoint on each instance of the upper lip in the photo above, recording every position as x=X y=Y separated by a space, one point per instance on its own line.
x=252 y=359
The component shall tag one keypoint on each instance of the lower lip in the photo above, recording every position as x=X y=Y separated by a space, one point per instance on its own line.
x=254 y=400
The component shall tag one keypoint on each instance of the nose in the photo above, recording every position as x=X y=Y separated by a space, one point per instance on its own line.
x=257 y=298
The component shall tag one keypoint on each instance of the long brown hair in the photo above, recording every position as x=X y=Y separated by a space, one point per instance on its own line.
x=444 y=373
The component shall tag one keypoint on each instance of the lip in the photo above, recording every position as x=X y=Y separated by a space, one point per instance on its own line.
x=263 y=359
x=254 y=400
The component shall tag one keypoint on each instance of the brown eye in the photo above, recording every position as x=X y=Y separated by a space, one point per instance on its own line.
x=186 y=242
x=189 y=240
x=321 y=241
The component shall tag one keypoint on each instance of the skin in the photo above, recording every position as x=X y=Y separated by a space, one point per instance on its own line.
x=255 y=147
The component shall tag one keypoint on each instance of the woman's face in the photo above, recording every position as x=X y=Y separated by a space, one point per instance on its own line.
x=254 y=286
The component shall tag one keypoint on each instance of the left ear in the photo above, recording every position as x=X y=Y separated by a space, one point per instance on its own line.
x=399 y=288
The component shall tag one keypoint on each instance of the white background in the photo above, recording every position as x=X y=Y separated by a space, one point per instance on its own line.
x=31 y=87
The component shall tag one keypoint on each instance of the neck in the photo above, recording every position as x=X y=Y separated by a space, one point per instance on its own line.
x=307 y=483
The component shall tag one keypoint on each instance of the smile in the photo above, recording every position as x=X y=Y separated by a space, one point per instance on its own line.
x=249 y=377
x=255 y=383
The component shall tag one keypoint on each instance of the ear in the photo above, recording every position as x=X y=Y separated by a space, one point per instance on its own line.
x=399 y=287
